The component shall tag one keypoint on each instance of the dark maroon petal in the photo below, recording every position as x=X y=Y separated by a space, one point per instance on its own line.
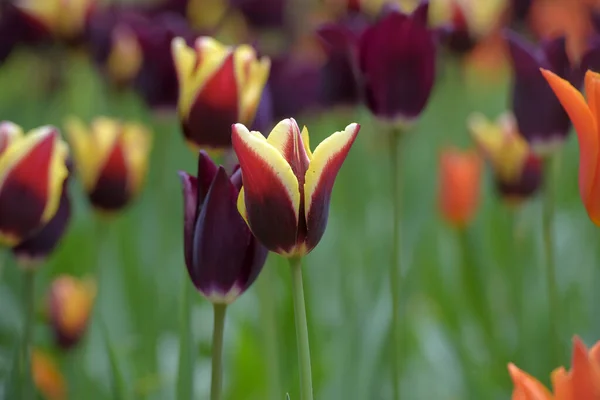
x=190 y=209
x=539 y=114
x=215 y=110
x=421 y=13
x=397 y=58
x=520 y=9
x=42 y=243
x=339 y=81
x=207 y=170
x=528 y=183
x=263 y=14
x=23 y=194
x=263 y=121
x=223 y=249
x=111 y=192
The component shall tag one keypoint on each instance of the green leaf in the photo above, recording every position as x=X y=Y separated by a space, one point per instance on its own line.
x=185 y=385
x=119 y=388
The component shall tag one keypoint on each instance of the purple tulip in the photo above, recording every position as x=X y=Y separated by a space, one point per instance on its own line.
x=222 y=256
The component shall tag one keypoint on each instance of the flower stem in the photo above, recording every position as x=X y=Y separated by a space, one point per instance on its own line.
x=216 y=383
x=548 y=240
x=394 y=272
x=306 y=388
x=28 y=303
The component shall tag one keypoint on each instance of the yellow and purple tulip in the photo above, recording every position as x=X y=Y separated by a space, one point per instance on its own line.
x=222 y=256
x=541 y=119
x=70 y=304
x=32 y=171
x=287 y=187
x=47 y=377
x=397 y=57
x=517 y=170
x=111 y=158
x=218 y=86
x=64 y=19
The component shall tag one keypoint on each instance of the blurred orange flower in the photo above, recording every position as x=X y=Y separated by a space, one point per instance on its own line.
x=582 y=382
x=459 y=185
x=47 y=378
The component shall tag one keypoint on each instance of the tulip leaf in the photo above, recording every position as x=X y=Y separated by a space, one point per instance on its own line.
x=185 y=383
x=118 y=385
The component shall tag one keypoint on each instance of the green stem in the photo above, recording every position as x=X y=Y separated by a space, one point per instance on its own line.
x=518 y=281
x=395 y=274
x=186 y=365
x=269 y=319
x=548 y=240
x=306 y=388
x=216 y=384
x=28 y=303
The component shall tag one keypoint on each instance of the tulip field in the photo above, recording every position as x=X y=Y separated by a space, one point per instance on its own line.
x=432 y=232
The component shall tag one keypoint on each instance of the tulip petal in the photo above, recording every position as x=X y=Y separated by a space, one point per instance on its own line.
x=320 y=177
x=526 y=386
x=271 y=193
x=32 y=172
x=221 y=231
x=582 y=374
x=251 y=77
x=36 y=248
x=561 y=384
x=190 y=210
x=136 y=141
x=288 y=140
x=8 y=133
x=585 y=126
x=111 y=191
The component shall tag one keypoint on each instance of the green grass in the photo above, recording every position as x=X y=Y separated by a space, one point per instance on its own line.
x=449 y=354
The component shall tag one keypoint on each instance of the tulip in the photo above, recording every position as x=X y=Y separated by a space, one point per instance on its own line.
x=581 y=382
x=585 y=119
x=111 y=158
x=460 y=184
x=540 y=118
x=70 y=303
x=397 y=58
x=64 y=19
x=218 y=86
x=32 y=172
x=286 y=191
x=222 y=256
x=47 y=377
x=517 y=171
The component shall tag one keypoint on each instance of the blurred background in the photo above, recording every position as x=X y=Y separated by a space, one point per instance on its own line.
x=458 y=341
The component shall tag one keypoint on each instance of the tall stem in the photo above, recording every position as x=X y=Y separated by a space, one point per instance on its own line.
x=548 y=240
x=306 y=388
x=394 y=272
x=268 y=317
x=216 y=384
x=28 y=303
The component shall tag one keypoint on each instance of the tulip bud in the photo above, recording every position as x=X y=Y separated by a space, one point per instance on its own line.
x=397 y=58
x=460 y=182
x=125 y=58
x=222 y=256
x=111 y=158
x=65 y=19
x=70 y=304
x=218 y=86
x=517 y=171
x=32 y=172
x=47 y=377
x=287 y=187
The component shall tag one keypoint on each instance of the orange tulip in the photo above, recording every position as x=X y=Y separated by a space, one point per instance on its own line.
x=585 y=120
x=460 y=181
x=47 y=378
x=582 y=382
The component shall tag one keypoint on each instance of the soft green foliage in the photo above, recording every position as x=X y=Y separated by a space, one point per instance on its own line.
x=454 y=349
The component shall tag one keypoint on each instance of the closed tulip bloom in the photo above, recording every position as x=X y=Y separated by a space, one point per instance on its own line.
x=65 y=19
x=517 y=171
x=218 y=86
x=111 y=158
x=222 y=256
x=460 y=183
x=585 y=117
x=540 y=117
x=47 y=377
x=32 y=172
x=397 y=59
x=70 y=304
x=582 y=382
x=287 y=187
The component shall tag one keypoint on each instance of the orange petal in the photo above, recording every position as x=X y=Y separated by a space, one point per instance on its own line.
x=582 y=374
x=585 y=126
x=526 y=386
x=561 y=383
